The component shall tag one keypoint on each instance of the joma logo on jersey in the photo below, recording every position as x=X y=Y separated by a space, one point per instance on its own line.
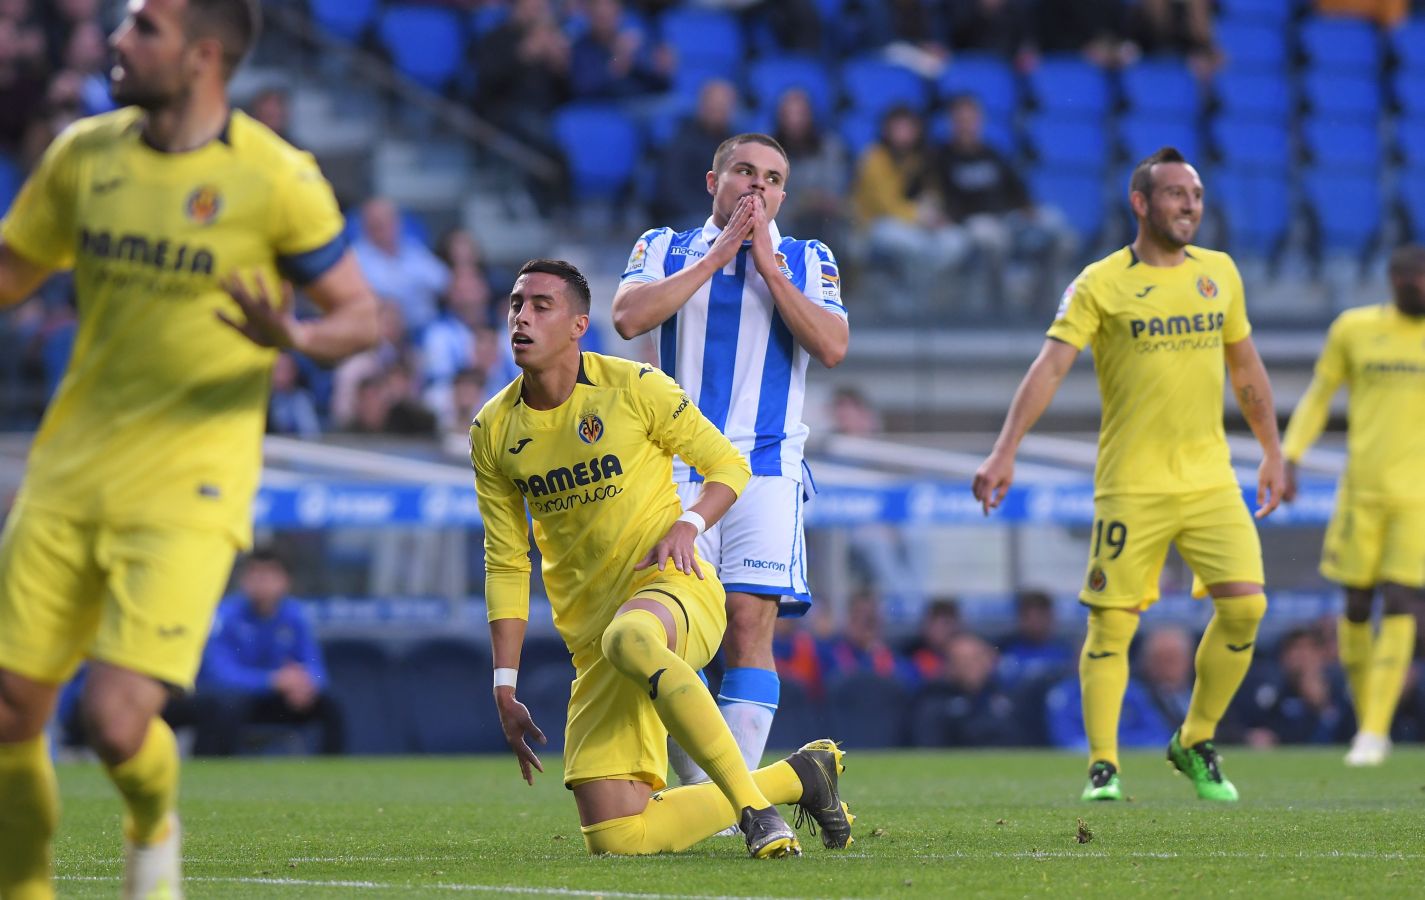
x=591 y=428
x=1159 y=326
x=159 y=254
x=566 y=478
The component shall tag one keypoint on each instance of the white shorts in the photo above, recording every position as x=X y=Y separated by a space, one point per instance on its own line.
x=759 y=547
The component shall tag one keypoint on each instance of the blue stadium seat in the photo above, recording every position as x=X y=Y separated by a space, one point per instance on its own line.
x=1266 y=12
x=426 y=44
x=1078 y=194
x=869 y=712
x=704 y=39
x=1412 y=199
x=601 y=147
x=799 y=718
x=1342 y=145
x=858 y=130
x=1410 y=140
x=1068 y=84
x=874 y=85
x=1342 y=96
x=1341 y=43
x=445 y=685
x=1347 y=209
x=1257 y=206
x=769 y=78
x=1251 y=143
x=1069 y=142
x=346 y=19
x=1408 y=41
x=1251 y=46
x=999 y=133
x=1264 y=96
x=486 y=19
x=988 y=77
x=361 y=677
x=1410 y=92
x=11 y=178
x=1143 y=135
x=1161 y=86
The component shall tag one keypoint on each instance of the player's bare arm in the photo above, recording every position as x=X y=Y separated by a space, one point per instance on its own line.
x=640 y=308
x=1035 y=392
x=506 y=640
x=1253 y=391
x=19 y=278
x=823 y=333
x=348 y=323
x=678 y=544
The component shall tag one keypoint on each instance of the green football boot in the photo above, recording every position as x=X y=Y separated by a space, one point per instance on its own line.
x=1103 y=783
x=1200 y=764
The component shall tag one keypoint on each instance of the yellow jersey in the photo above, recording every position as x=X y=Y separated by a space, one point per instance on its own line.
x=1158 y=335
x=160 y=415
x=1378 y=352
x=596 y=475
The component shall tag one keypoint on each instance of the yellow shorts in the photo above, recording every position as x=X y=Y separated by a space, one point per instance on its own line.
x=613 y=730
x=137 y=596
x=1212 y=529
x=1370 y=543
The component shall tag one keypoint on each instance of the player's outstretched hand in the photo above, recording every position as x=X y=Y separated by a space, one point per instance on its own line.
x=518 y=724
x=265 y=322
x=677 y=545
x=992 y=480
x=1271 y=485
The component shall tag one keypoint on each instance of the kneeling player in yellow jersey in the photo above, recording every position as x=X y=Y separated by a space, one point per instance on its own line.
x=138 y=490
x=1376 y=538
x=1163 y=316
x=586 y=444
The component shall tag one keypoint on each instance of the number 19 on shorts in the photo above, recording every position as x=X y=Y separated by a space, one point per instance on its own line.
x=1113 y=533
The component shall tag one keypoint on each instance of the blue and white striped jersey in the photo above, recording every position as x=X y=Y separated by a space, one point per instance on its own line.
x=728 y=346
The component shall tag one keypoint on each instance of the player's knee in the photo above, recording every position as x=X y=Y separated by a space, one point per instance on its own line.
x=1247 y=610
x=115 y=734
x=24 y=708
x=1113 y=627
x=630 y=637
x=617 y=837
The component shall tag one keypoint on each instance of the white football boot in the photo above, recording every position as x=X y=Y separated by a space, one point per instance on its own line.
x=155 y=871
x=1368 y=749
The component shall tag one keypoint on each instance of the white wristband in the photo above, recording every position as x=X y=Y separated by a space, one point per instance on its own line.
x=506 y=677
x=695 y=520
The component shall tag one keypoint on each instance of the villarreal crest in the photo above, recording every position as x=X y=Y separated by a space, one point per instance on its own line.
x=203 y=205
x=1207 y=287
x=591 y=428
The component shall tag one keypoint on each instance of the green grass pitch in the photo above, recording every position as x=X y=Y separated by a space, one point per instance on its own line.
x=930 y=825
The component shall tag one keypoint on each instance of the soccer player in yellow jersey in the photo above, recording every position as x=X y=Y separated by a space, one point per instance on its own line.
x=585 y=443
x=1376 y=538
x=139 y=483
x=1163 y=316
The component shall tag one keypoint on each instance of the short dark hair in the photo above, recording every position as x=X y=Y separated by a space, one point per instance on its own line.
x=236 y=24
x=1141 y=181
x=724 y=150
x=572 y=277
x=963 y=98
x=267 y=554
x=1033 y=600
x=1407 y=260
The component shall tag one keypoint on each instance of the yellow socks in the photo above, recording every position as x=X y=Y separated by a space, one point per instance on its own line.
x=1223 y=658
x=1354 y=641
x=29 y=813
x=638 y=647
x=1103 y=677
x=148 y=782
x=678 y=818
x=1389 y=663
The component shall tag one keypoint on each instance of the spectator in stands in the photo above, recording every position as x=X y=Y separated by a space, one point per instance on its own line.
x=820 y=172
x=462 y=252
x=900 y=212
x=272 y=106
x=399 y=266
x=291 y=409
x=1165 y=661
x=406 y=414
x=1303 y=704
x=57 y=19
x=862 y=647
x=371 y=405
x=22 y=85
x=467 y=395
x=1153 y=702
x=263 y=664
x=985 y=194
x=29 y=40
x=1034 y=650
x=972 y=709
x=1000 y=27
x=389 y=349
x=86 y=54
x=795 y=650
x=679 y=200
x=1176 y=27
x=931 y=647
x=1091 y=27
x=615 y=61
x=1386 y=13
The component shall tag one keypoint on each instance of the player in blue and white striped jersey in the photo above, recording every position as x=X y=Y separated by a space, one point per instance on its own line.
x=739 y=310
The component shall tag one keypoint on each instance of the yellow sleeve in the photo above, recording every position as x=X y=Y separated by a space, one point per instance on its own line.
x=1236 y=327
x=308 y=231
x=507 y=564
x=1079 y=315
x=41 y=225
x=676 y=425
x=1309 y=417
